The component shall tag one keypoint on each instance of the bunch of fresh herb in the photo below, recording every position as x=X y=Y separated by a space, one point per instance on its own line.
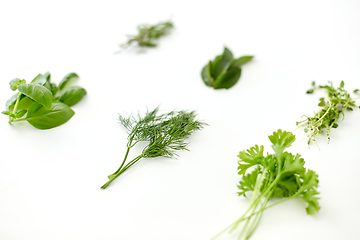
x=281 y=175
x=224 y=71
x=165 y=133
x=338 y=101
x=148 y=34
x=41 y=102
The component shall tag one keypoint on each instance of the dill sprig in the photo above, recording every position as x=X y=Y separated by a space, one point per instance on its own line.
x=338 y=101
x=148 y=33
x=165 y=134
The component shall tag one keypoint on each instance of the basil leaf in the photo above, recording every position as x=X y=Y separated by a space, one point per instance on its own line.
x=67 y=79
x=38 y=93
x=15 y=83
x=42 y=118
x=241 y=61
x=20 y=113
x=223 y=63
x=12 y=100
x=206 y=75
x=25 y=102
x=53 y=88
x=40 y=79
x=6 y=112
x=72 y=95
x=228 y=79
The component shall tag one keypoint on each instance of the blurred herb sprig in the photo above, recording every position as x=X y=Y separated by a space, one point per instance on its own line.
x=148 y=34
x=334 y=105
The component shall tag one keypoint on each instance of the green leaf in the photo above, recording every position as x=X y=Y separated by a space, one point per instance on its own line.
x=228 y=79
x=41 y=79
x=25 y=102
x=281 y=140
x=67 y=79
x=6 y=112
x=313 y=202
x=72 y=95
x=241 y=61
x=12 y=100
x=321 y=104
x=206 y=75
x=223 y=64
x=292 y=164
x=342 y=84
x=310 y=180
x=15 y=83
x=248 y=182
x=42 y=118
x=20 y=113
x=250 y=157
x=38 y=93
x=53 y=88
x=310 y=91
x=288 y=186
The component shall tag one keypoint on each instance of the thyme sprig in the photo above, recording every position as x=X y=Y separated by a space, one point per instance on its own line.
x=165 y=134
x=148 y=33
x=337 y=101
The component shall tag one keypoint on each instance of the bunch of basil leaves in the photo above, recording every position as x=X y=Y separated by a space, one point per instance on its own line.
x=41 y=102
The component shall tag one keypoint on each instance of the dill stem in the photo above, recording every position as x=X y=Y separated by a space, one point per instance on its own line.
x=123 y=162
x=114 y=176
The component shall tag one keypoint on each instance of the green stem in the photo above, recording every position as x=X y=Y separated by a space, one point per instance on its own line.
x=15 y=108
x=324 y=114
x=114 y=176
x=254 y=200
x=236 y=223
x=244 y=230
x=264 y=208
x=123 y=162
x=19 y=120
x=258 y=216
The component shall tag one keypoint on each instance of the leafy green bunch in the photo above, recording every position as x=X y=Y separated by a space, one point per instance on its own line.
x=281 y=175
x=224 y=71
x=41 y=102
x=336 y=103
x=148 y=34
x=165 y=134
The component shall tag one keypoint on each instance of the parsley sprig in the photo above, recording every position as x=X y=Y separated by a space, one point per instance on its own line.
x=165 y=134
x=336 y=103
x=281 y=175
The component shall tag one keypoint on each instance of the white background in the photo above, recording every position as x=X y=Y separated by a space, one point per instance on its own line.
x=50 y=180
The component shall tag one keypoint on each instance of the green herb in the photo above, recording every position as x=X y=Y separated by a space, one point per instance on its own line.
x=148 y=34
x=338 y=101
x=42 y=103
x=224 y=71
x=165 y=134
x=281 y=175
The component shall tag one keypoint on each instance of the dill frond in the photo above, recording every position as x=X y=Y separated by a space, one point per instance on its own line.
x=165 y=134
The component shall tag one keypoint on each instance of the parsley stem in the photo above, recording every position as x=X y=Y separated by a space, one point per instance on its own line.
x=256 y=221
